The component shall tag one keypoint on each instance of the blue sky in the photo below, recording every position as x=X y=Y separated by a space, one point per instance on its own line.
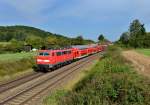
x=76 y=17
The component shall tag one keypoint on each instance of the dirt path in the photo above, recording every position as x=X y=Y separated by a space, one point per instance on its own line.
x=140 y=62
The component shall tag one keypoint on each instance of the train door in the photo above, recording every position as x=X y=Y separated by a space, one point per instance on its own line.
x=58 y=57
x=54 y=57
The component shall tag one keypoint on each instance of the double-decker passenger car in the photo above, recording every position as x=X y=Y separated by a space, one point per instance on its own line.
x=82 y=50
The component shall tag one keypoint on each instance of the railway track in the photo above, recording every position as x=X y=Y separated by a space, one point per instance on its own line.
x=14 y=83
x=30 y=92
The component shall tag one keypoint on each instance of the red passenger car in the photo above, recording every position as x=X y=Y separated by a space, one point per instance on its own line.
x=82 y=50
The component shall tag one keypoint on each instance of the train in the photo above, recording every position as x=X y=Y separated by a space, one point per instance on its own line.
x=48 y=60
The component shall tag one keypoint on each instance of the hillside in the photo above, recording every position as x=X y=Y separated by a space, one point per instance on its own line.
x=22 y=32
x=18 y=36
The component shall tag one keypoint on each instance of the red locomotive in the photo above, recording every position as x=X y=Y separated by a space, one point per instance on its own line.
x=50 y=59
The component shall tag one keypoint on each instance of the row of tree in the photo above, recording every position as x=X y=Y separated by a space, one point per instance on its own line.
x=18 y=36
x=49 y=41
x=136 y=37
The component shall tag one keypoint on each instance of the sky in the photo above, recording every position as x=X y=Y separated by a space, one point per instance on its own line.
x=71 y=18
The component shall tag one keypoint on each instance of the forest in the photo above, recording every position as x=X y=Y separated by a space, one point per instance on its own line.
x=136 y=36
x=13 y=38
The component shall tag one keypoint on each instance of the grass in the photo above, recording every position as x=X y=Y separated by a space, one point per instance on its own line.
x=16 y=63
x=144 y=51
x=56 y=95
x=11 y=68
x=16 y=56
x=111 y=82
x=4 y=43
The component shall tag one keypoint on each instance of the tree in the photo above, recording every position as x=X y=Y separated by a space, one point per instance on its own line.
x=35 y=41
x=51 y=40
x=20 y=36
x=146 y=41
x=124 y=38
x=64 y=42
x=78 y=40
x=136 y=37
x=101 y=37
x=16 y=46
x=137 y=32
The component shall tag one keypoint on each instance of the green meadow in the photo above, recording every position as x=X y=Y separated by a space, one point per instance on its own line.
x=16 y=56
x=144 y=51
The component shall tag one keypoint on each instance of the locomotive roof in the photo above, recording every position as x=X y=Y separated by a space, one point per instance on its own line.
x=54 y=50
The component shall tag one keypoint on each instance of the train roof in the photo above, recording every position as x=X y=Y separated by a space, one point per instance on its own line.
x=54 y=50
x=80 y=46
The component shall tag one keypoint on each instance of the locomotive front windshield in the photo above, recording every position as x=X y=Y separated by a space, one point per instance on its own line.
x=44 y=54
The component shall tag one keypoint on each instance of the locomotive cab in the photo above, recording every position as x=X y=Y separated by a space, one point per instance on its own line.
x=44 y=60
x=51 y=59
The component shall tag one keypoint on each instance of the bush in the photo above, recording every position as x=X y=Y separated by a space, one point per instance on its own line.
x=9 y=68
x=110 y=82
x=11 y=48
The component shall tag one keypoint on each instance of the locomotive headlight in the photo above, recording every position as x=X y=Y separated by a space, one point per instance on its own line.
x=39 y=60
x=46 y=60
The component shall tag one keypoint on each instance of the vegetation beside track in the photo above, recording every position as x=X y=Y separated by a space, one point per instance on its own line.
x=144 y=51
x=11 y=64
x=54 y=96
x=111 y=82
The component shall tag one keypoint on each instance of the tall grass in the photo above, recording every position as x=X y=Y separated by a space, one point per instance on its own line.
x=111 y=82
x=10 y=68
x=16 y=62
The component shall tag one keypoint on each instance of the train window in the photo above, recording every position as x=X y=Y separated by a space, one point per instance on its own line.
x=65 y=52
x=59 y=53
x=53 y=54
x=44 y=54
x=69 y=52
x=41 y=53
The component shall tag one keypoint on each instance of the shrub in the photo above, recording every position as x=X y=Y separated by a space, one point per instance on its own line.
x=110 y=82
x=9 y=68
